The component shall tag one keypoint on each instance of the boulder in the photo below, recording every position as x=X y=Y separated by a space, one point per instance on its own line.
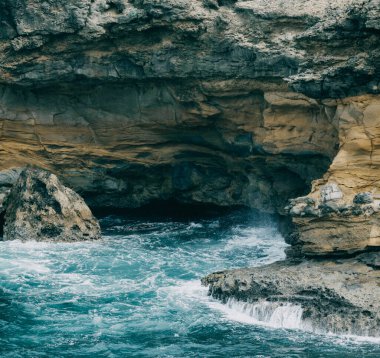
x=39 y=207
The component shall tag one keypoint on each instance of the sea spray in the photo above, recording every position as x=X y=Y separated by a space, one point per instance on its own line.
x=137 y=293
x=271 y=314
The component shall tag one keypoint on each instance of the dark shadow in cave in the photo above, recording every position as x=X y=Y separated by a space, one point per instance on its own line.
x=169 y=210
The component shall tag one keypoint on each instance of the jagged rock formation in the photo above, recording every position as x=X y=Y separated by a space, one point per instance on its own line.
x=341 y=214
x=324 y=49
x=135 y=101
x=338 y=297
x=40 y=208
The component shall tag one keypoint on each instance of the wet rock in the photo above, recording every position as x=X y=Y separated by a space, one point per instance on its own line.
x=335 y=296
x=40 y=208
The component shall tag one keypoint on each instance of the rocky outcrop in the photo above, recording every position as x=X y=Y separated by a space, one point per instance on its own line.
x=40 y=208
x=341 y=214
x=321 y=49
x=335 y=296
x=338 y=218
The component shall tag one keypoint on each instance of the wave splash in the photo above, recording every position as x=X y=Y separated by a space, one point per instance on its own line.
x=283 y=315
x=271 y=314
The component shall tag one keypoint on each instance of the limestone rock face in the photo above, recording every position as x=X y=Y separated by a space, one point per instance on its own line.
x=126 y=145
x=335 y=296
x=341 y=214
x=40 y=208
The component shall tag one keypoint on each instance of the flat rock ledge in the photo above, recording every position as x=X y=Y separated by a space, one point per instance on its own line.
x=39 y=207
x=339 y=296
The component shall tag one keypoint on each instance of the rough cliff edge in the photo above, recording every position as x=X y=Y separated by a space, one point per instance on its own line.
x=215 y=102
x=221 y=102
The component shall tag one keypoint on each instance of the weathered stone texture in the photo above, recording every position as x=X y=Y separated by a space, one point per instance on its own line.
x=40 y=208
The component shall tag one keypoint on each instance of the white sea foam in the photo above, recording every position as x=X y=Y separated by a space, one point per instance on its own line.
x=265 y=240
x=132 y=282
x=268 y=314
x=280 y=315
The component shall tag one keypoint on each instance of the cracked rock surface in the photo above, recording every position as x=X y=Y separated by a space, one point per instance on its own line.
x=40 y=208
x=213 y=102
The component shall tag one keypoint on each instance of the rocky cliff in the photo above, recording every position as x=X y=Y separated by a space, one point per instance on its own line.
x=215 y=102
x=221 y=102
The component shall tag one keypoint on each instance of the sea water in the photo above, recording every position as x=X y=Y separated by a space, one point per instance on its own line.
x=137 y=293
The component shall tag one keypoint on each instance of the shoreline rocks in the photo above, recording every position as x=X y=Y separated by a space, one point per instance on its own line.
x=40 y=208
x=333 y=224
x=227 y=103
x=337 y=296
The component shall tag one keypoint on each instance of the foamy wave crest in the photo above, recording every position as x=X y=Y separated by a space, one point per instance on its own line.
x=272 y=314
x=282 y=315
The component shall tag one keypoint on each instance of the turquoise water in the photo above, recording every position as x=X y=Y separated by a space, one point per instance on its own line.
x=136 y=293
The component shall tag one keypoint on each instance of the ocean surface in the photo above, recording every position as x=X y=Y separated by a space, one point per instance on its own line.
x=137 y=293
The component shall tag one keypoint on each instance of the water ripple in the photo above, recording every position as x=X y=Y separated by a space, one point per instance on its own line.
x=137 y=293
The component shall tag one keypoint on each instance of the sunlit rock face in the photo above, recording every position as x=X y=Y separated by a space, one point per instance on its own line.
x=341 y=214
x=40 y=208
x=212 y=102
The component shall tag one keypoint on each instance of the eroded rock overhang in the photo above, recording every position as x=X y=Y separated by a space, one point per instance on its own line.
x=228 y=103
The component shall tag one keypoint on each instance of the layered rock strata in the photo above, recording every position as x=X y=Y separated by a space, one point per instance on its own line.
x=40 y=208
x=126 y=145
x=220 y=102
x=341 y=214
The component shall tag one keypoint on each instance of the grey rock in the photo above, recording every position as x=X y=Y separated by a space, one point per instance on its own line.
x=7 y=179
x=328 y=207
x=40 y=208
x=371 y=259
x=237 y=39
x=335 y=296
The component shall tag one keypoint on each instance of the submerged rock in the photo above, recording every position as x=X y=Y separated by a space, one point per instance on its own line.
x=40 y=208
x=335 y=296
